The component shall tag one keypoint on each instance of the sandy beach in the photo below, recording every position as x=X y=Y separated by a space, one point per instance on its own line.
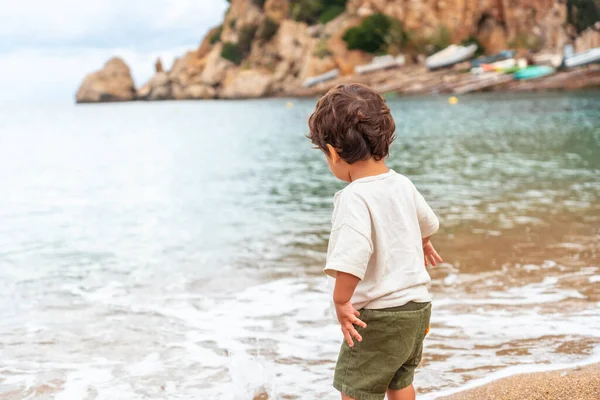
x=580 y=383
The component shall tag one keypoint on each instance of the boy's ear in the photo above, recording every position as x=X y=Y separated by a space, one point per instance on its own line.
x=335 y=157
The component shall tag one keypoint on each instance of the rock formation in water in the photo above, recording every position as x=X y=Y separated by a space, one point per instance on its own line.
x=269 y=47
x=111 y=83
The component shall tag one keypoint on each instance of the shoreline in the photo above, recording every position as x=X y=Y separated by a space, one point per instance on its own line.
x=417 y=81
x=287 y=96
x=536 y=381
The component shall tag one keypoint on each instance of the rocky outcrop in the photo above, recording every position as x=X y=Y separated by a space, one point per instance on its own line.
x=589 y=39
x=215 y=67
x=492 y=35
x=315 y=65
x=185 y=73
x=242 y=14
x=194 y=92
x=188 y=79
x=246 y=84
x=292 y=40
x=277 y=10
x=157 y=88
x=158 y=67
x=111 y=83
x=211 y=37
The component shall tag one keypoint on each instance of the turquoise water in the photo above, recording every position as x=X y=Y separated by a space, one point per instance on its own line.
x=173 y=250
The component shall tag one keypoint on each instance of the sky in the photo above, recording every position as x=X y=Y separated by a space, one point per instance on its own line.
x=48 y=46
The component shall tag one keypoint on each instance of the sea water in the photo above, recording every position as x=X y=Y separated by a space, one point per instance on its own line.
x=174 y=250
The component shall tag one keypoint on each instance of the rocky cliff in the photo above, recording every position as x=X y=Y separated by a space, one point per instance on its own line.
x=111 y=83
x=269 y=47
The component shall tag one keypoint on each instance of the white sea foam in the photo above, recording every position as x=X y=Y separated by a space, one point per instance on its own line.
x=279 y=337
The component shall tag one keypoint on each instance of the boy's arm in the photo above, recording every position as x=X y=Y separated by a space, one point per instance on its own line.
x=345 y=285
x=349 y=251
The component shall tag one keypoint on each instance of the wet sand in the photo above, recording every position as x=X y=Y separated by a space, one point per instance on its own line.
x=581 y=383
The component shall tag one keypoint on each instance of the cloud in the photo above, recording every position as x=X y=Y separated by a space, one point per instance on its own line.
x=107 y=23
x=34 y=75
x=47 y=47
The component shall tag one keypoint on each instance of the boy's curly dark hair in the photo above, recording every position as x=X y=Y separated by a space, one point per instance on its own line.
x=355 y=120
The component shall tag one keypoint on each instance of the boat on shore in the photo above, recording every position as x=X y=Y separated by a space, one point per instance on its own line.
x=380 y=63
x=548 y=59
x=587 y=57
x=327 y=76
x=494 y=58
x=451 y=55
x=533 y=72
x=511 y=70
x=499 y=65
x=508 y=66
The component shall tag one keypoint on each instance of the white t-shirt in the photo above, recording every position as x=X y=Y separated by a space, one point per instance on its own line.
x=377 y=229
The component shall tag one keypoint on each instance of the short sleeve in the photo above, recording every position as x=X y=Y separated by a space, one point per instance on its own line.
x=349 y=251
x=350 y=245
x=428 y=221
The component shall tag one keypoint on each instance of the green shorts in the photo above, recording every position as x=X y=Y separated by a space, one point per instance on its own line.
x=388 y=355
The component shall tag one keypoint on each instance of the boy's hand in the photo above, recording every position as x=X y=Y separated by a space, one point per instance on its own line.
x=431 y=256
x=348 y=317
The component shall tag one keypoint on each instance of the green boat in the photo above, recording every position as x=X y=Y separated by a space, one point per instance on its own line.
x=533 y=72
x=510 y=70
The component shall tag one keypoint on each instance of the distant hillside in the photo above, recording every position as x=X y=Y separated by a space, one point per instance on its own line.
x=269 y=47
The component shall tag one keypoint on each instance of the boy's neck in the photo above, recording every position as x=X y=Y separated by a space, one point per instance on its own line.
x=363 y=169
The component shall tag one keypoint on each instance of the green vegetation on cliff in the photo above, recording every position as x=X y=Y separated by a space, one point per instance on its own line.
x=331 y=13
x=237 y=52
x=232 y=53
x=582 y=13
x=313 y=11
x=216 y=36
x=377 y=33
x=268 y=29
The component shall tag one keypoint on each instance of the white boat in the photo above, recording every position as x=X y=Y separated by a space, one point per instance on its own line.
x=380 y=63
x=550 y=59
x=586 y=57
x=508 y=63
x=327 y=76
x=451 y=55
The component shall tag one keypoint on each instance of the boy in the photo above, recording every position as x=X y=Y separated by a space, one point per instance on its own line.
x=378 y=249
